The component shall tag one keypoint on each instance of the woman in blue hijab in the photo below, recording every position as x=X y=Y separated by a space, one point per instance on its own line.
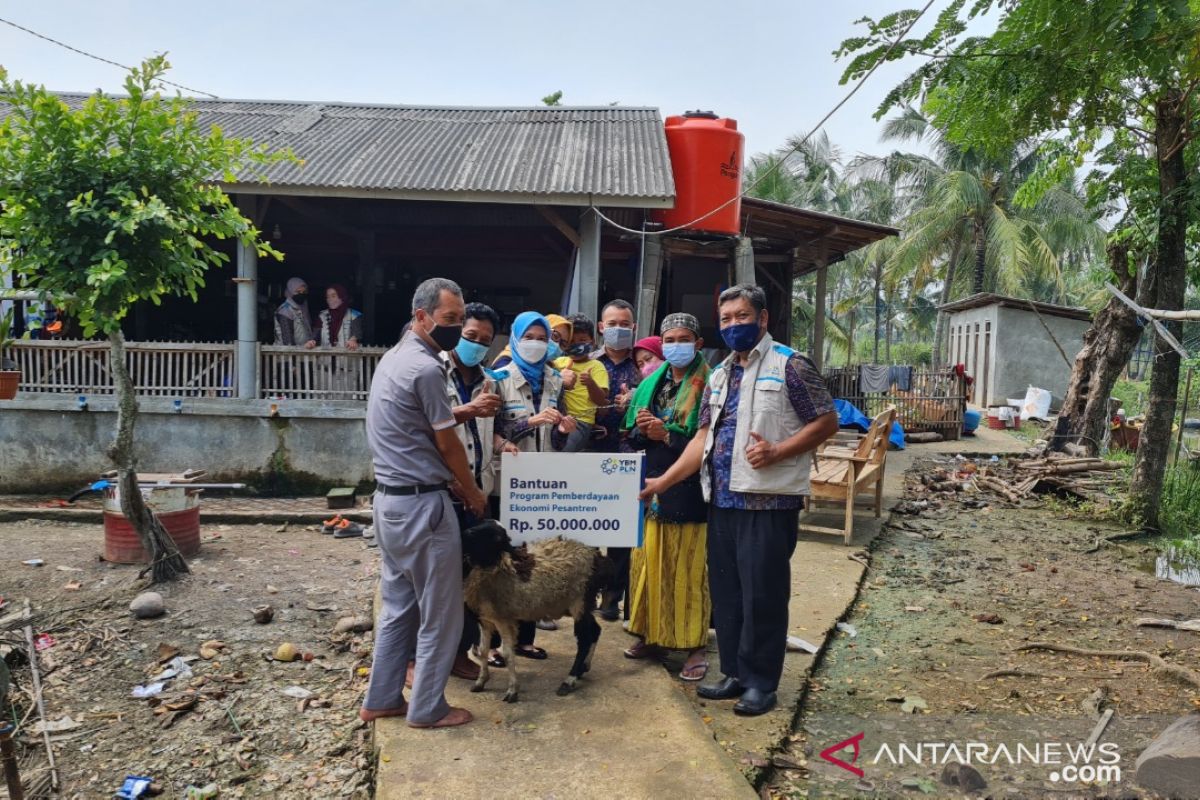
x=529 y=419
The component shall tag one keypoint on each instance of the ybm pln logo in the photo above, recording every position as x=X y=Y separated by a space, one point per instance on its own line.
x=625 y=466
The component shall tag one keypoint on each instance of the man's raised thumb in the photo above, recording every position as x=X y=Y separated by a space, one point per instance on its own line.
x=757 y=437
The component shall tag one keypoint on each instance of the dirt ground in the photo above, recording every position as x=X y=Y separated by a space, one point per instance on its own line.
x=950 y=595
x=231 y=724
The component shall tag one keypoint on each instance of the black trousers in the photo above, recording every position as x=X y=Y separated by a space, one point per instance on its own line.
x=750 y=579
x=618 y=591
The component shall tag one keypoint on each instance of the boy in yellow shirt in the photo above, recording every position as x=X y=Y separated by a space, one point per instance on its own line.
x=591 y=387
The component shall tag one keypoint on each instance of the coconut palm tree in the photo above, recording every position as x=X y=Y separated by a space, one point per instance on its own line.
x=965 y=222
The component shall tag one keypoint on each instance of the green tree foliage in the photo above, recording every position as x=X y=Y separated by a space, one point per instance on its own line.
x=1114 y=78
x=116 y=202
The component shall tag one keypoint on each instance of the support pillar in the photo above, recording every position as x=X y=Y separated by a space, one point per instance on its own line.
x=818 y=338
x=743 y=261
x=589 y=264
x=649 y=281
x=368 y=282
x=247 y=308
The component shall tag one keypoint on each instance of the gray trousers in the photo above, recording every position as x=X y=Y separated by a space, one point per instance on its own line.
x=421 y=587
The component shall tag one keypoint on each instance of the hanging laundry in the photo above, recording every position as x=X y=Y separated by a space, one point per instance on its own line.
x=874 y=379
x=901 y=377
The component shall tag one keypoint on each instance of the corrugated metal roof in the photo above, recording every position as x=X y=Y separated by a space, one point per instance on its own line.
x=613 y=155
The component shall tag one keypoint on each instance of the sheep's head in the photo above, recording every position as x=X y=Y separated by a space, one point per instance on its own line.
x=485 y=544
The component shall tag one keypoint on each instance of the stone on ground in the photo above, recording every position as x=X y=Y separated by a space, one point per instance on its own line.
x=148 y=605
x=1171 y=764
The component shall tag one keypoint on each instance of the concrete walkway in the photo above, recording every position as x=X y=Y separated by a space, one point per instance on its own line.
x=633 y=730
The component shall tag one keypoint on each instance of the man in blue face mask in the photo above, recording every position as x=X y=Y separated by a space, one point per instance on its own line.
x=472 y=392
x=764 y=411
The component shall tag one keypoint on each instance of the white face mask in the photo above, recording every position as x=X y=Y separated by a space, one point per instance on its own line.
x=531 y=350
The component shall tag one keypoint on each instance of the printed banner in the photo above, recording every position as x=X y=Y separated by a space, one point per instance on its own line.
x=588 y=497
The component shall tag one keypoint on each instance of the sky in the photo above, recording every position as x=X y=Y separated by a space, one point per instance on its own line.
x=766 y=63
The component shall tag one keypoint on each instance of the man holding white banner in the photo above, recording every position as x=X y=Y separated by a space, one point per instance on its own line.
x=764 y=411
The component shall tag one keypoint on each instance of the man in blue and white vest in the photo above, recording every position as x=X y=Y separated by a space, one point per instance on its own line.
x=764 y=411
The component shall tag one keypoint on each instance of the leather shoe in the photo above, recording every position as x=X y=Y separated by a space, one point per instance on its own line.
x=725 y=689
x=755 y=702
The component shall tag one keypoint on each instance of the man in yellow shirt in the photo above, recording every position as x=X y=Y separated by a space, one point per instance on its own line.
x=591 y=388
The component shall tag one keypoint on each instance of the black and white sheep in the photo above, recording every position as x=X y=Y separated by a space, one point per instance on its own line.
x=547 y=579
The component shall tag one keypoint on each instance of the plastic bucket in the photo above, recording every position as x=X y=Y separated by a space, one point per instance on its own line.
x=971 y=420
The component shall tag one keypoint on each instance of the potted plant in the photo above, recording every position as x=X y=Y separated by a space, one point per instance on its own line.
x=10 y=376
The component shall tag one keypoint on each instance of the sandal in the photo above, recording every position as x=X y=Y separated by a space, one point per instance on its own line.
x=641 y=650
x=530 y=651
x=694 y=672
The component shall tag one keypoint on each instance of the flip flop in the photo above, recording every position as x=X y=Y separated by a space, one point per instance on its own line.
x=330 y=525
x=693 y=676
x=641 y=650
x=536 y=653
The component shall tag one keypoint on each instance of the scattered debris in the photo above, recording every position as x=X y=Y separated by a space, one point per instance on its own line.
x=964 y=777
x=298 y=692
x=1174 y=670
x=57 y=726
x=149 y=690
x=353 y=625
x=1179 y=625
x=286 y=652
x=134 y=787
x=990 y=618
x=848 y=629
x=796 y=644
x=34 y=562
x=264 y=614
x=206 y=792
x=210 y=649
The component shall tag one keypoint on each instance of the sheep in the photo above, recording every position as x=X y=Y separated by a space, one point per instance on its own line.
x=547 y=579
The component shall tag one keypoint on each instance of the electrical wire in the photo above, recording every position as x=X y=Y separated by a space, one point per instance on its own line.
x=101 y=59
x=796 y=147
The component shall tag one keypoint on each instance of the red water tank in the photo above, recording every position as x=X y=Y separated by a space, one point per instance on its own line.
x=706 y=159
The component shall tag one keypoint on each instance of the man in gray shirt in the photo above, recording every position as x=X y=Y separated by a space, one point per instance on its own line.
x=418 y=457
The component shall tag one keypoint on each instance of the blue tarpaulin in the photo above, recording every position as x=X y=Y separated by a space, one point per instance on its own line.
x=850 y=417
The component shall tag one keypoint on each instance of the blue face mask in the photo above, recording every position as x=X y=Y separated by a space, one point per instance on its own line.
x=740 y=338
x=679 y=354
x=470 y=353
x=553 y=351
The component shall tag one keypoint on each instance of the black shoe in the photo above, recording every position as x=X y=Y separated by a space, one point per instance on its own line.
x=609 y=614
x=725 y=689
x=755 y=702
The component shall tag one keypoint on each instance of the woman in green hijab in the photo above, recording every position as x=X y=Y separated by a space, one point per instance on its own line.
x=668 y=577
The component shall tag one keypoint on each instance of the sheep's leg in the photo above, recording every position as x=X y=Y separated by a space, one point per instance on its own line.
x=508 y=636
x=587 y=633
x=596 y=630
x=479 y=655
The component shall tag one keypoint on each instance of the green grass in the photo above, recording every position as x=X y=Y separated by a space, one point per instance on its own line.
x=1179 y=509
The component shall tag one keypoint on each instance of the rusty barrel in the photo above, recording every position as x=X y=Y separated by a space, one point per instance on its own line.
x=177 y=508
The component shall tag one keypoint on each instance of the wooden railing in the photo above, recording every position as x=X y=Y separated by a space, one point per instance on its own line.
x=934 y=402
x=194 y=369
x=318 y=374
x=158 y=369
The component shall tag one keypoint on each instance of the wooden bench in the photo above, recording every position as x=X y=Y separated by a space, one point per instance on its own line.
x=840 y=473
